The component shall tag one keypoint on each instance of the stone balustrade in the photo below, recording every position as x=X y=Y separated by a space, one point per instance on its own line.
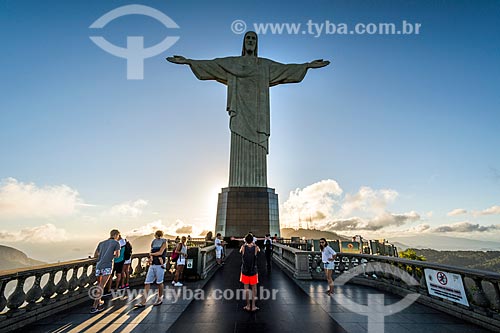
x=481 y=287
x=30 y=294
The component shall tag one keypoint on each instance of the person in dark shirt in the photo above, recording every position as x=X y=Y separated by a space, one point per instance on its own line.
x=268 y=247
x=249 y=275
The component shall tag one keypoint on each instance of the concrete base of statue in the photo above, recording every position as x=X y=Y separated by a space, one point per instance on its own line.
x=244 y=209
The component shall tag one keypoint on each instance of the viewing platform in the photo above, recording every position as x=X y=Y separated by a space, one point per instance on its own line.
x=54 y=298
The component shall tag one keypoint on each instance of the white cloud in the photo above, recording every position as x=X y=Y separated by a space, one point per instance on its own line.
x=128 y=209
x=188 y=229
x=420 y=228
x=368 y=200
x=181 y=228
x=26 y=200
x=456 y=212
x=314 y=202
x=46 y=233
x=493 y=210
x=466 y=227
x=324 y=204
x=147 y=229
x=177 y=227
x=378 y=222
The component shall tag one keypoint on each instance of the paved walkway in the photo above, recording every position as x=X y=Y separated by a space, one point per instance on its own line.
x=292 y=310
x=415 y=318
x=299 y=306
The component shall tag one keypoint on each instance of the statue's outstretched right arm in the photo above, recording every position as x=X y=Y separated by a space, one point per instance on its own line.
x=203 y=69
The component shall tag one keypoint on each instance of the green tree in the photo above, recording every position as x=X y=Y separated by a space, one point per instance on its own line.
x=412 y=255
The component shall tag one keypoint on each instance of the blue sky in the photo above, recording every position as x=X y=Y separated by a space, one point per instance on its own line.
x=398 y=132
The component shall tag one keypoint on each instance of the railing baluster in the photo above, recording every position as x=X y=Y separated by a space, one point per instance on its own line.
x=35 y=291
x=73 y=282
x=3 y=300
x=478 y=294
x=62 y=285
x=17 y=298
x=50 y=288
x=496 y=296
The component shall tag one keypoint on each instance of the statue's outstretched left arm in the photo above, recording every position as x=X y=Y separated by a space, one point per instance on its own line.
x=318 y=63
x=176 y=59
x=292 y=73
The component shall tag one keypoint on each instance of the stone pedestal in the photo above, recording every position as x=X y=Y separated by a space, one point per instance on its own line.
x=244 y=209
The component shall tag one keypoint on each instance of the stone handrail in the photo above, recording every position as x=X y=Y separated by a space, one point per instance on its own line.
x=293 y=260
x=30 y=294
x=207 y=260
x=481 y=287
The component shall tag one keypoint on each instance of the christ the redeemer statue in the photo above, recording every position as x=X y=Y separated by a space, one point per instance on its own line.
x=248 y=79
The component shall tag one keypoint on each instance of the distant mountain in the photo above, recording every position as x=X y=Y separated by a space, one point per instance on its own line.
x=400 y=246
x=311 y=234
x=483 y=260
x=425 y=241
x=10 y=258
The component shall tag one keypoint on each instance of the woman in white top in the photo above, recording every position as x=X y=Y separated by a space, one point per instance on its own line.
x=328 y=256
x=181 y=249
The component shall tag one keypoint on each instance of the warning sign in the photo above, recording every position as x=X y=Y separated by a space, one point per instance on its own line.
x=446 y=285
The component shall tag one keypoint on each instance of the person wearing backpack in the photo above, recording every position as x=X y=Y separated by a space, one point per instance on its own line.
x=127 y=255
x=249 y=275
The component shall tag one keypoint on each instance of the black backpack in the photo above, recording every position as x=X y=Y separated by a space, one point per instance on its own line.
x=128 y=251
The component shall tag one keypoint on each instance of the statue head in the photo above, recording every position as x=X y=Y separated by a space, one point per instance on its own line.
x=250 y=42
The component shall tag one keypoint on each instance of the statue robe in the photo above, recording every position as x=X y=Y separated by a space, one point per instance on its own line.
x=248 y=80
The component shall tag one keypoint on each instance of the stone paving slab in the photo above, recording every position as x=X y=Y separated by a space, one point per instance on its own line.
x=415 y=318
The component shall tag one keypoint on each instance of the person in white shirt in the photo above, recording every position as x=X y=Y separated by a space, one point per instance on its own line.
x=328 y=256
x=219 y=247
x=181 y=249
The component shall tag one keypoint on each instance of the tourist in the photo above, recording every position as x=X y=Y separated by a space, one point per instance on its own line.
x=328 y=256
x=219 y=248
x=181 y=249
x=127 y=255
x=105 y=252
x=155 y=271
x=254 y=239
x=249 y=275
x=268 y=247
x=119 y=262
